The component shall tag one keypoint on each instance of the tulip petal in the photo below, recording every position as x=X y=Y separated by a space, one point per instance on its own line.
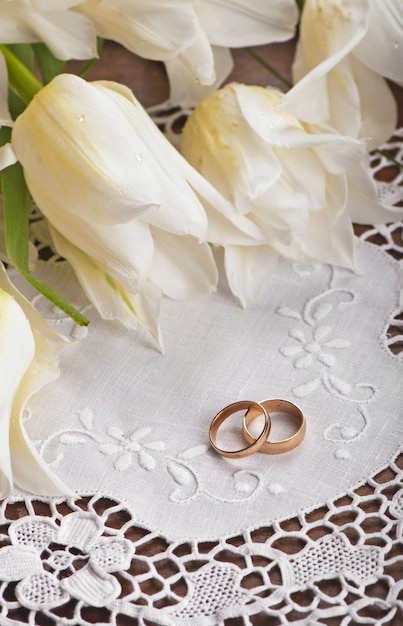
x=179 y=210
x=111 y=299
x=126 y=250
x=232 y=228
x=7 y=156
x=153 y=30
x=329 y=234
x=57 y=5
x=17 y=348
x=199 y=59
x=363 y=204
x=241 y=23
x=250 y=167
x=100 y=169
x=28 y=469
x=378 y=106
x=66 y=33
x=328 y=32
x=385 y=30
x=184 y=90
x=35 y=318
x=262 y=109
x=247 y=269
x=189 y=275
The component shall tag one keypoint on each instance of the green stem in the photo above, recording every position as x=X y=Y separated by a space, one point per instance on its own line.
x=268 y=67
x=21 y=80
x=388 y=157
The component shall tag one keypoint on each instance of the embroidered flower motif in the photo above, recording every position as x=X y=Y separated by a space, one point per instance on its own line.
x=314 y=342
x=50 y=576
x=313 y=345
x=311 y=349
x=126 y=447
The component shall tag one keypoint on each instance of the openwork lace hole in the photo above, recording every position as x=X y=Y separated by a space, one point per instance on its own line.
x=394 y=334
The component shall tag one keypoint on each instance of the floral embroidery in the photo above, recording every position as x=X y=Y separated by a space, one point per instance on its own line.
x=307 y=351
x=127 y=447
x=313 y=346
x=49 y=576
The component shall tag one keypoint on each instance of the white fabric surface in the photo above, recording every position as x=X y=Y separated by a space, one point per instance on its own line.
x=125 y=421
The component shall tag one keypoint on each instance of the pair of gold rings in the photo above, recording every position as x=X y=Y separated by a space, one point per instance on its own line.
x=260 y=443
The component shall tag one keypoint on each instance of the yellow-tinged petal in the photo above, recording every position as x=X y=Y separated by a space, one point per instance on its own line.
x=303 y=205
x=126 y=250
x=329 y=31
x=17 y=348
x=79 y=145
x=177 y=208
x=111 y=299
x=28 y=361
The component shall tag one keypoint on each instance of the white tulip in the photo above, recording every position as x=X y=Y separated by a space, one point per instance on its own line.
x=66 y=33
x=190 y=36
x=125 y=207
x=28 y=361
x=344 y=49
x=299 y=186
x=155 y=29
x=227 y=25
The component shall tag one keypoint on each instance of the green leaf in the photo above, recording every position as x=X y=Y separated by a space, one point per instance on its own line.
x=23 y=52
x=49 y=65
x=16 y=105
x=5 y=135
x=17 y=204
x=20 y=78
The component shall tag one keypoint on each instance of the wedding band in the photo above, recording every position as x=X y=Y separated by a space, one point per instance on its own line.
x=279 y=406
x=256 y=442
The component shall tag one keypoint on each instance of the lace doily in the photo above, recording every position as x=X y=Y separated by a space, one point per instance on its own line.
x=85 y=561
x=179 y=536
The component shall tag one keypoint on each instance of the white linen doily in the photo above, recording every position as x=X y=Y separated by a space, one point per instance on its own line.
x=125 y=419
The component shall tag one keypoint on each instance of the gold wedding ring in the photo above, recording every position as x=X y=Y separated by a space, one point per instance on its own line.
x=275 y=406
x=256 y=443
